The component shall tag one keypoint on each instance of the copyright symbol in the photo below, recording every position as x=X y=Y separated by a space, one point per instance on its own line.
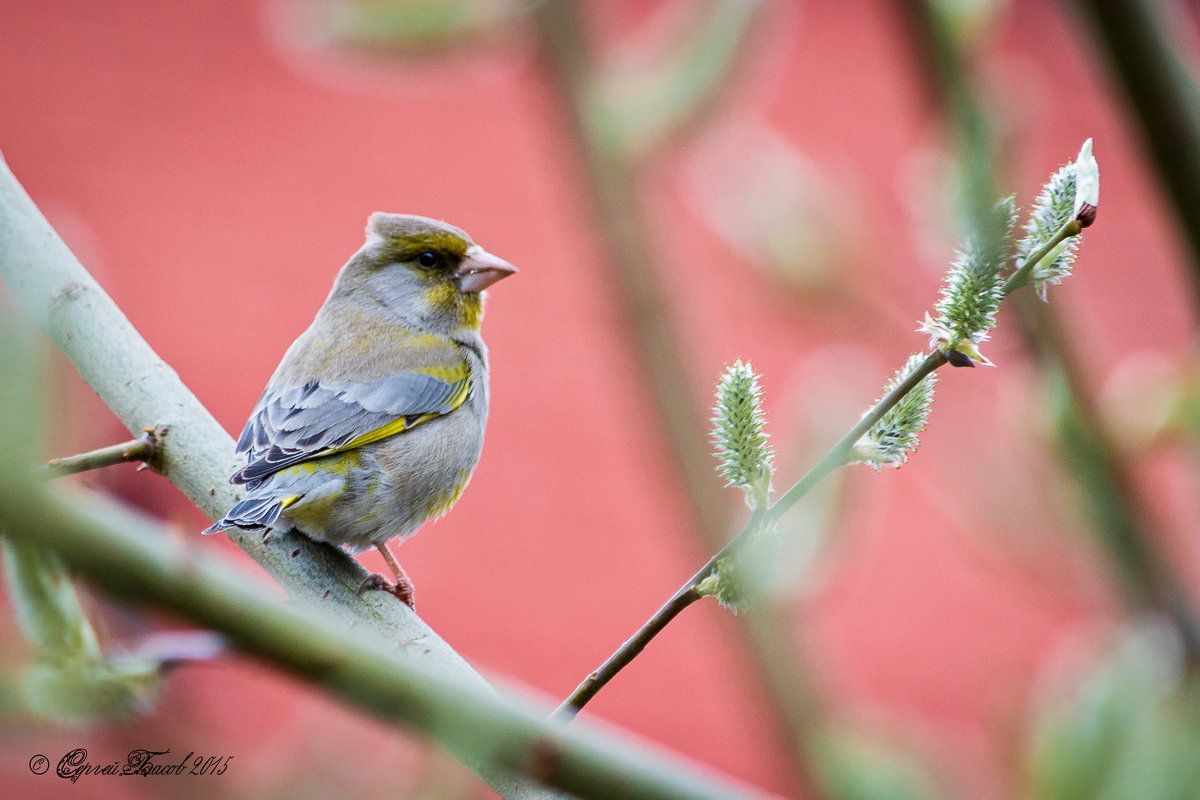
x=39 y=764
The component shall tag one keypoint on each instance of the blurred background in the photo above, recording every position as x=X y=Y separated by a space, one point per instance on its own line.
x=682 y=183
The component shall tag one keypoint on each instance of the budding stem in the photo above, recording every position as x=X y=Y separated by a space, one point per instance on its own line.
x=1071 y=227
x=762 y=515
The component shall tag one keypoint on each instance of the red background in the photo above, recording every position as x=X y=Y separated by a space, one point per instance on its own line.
x=213 y=170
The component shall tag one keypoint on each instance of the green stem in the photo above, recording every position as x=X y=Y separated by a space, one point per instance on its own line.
x=1021 y=277
x=688 y=594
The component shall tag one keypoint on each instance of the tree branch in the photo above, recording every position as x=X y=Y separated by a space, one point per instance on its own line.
x=130 y=557
x=137 y=385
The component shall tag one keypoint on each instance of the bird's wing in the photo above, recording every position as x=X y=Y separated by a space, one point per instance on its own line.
x=315 y=420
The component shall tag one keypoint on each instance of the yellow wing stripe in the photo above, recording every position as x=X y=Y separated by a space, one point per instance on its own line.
x=402 y=424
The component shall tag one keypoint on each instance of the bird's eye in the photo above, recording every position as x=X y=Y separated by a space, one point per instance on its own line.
x=428 y=259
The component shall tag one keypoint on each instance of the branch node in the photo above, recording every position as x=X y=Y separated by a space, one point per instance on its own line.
x=146 y=449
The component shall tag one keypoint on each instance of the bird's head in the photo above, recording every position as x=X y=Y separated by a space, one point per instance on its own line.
x=423 y=272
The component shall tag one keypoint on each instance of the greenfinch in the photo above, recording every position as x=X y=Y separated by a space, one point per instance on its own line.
x=373 y=422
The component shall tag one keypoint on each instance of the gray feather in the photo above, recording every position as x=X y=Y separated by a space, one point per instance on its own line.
x=299 y=423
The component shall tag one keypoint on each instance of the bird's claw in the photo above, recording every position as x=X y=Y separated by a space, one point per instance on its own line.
x=402 y=589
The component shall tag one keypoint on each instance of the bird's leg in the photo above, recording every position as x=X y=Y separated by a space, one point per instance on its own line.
x=402 y=588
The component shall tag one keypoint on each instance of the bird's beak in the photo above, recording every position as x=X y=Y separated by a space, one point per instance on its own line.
x=480 y=269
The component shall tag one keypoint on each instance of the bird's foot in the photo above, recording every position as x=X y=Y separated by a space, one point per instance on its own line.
x=402 y=588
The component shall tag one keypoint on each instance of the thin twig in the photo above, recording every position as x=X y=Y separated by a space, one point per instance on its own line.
x=834 y=458
x=596 y=681
x=1021 y=277
x=688 y=594
x=144 y=449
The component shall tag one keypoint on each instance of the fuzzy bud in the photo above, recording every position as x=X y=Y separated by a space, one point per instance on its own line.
x=739 y=435
x=895 y=435
x=1087 y=186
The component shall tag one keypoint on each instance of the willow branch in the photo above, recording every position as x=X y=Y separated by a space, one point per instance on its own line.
x=688 y=594
x=1139 y=36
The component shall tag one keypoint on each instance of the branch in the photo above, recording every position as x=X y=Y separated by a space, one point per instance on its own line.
x=144 y=449
x=688 y=593
x=130 y=557
x=137 y=385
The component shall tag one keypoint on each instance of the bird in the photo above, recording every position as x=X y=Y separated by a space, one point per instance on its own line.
x=373 y=422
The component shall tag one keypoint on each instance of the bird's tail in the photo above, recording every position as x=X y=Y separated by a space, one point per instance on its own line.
x=251 y=514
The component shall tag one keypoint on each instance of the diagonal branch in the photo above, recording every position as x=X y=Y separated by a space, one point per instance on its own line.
x=141 y=389
x=687 y=594
x=197 y=457
x=131 y=557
